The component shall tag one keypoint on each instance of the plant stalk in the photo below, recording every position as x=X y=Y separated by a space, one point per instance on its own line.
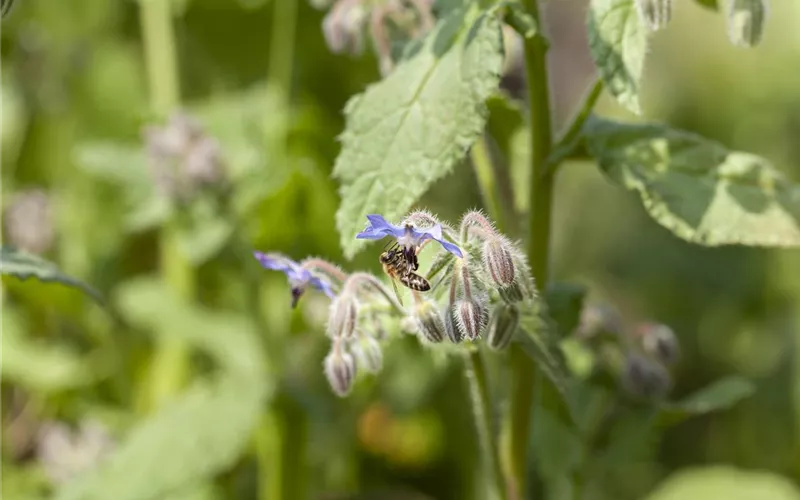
x=170 y=364
x=523 y=370
x=487 y=181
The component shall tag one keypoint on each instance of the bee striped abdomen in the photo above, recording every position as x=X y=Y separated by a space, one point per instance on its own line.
x=415 y=282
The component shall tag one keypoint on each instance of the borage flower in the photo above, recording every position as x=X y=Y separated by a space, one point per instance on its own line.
x=299 y=277
x=408 y=236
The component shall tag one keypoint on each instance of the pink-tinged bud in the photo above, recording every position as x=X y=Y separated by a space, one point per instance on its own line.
x=429 y=322
x=503 y=326
x=369 y=354
x=471 y=318
x=343 y=317
x=29 y=221
x=340 y=370
x=655 y=14
x=498 y=259
x=659 y=341
x=450 y=326
x=645 y=378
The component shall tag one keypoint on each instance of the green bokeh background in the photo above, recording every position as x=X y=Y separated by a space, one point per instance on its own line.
x=73 y=77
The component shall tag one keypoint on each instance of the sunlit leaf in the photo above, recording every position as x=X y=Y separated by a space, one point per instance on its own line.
x=411 y=128
x=720 y=395
x=698 y=189
x=41 y=366
x=23 y=265
x=618 y=43
x=721 y=481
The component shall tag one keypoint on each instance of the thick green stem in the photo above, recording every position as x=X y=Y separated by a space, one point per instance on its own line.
x=482 y=409
x=487 y=180
x=170 y=365
x=523 y=371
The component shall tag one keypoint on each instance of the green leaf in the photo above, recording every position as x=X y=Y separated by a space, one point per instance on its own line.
x=720 y=395
x=697 y=188
x=410 y=129
x=618 y=43
x=518 y=18
x=40 y=366
x=722 y=481
x=206 y=429
x=709 y=4
x=23 y=265
x=564 y=304
x=540 y=343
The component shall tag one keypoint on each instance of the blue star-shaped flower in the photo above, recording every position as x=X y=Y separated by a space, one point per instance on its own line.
x=408 y=236
x=299 y=277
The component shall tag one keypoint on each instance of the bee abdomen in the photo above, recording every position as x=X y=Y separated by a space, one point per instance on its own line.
x=415 y=282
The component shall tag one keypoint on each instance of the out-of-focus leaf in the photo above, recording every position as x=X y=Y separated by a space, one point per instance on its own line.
x=203 y=231
x=709 y=4
x=121 y=164
x=23 y=265
x=618 y=43
x=539 y=341
x=29 y=482
x=148 y=214
x=204 y=430
x=720 y=395
x=697 y=188
x=38 y=366
x=564 y=305
x=410 y=129
x=507 y=127
x=721 y=481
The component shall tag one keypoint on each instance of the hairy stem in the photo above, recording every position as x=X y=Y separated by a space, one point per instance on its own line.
x=523 y=370
x=482 y=409
x=170 y=365
x=487 y=181
x=569 y=138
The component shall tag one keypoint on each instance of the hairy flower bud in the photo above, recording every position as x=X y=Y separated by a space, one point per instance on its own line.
x=369 y=354
x=498 y=259
x=746 y=20
x=429 y=321
x=471 y=317
x=503 y=325
x=512 y=293
x=655 y=14
x=451 y=327
x=644 y=377
x=29 y=222
x=659 y=341
x=343 y=317
x=343 y=27
x=598 y=320
x=340 y=370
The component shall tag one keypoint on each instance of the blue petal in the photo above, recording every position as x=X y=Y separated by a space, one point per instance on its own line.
x=453 y=249
x=323 y=286
x=435 y=232
x=379 y=228
x=274 y=263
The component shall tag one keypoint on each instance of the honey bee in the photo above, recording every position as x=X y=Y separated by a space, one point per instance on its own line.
x=398 y=266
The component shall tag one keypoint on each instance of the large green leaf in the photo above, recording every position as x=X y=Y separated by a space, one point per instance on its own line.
x=202 y=432
x=618 y=43
x=725 y=482
x=410 y=129
x=697 y=188
x=24 y=265
x=720 y=395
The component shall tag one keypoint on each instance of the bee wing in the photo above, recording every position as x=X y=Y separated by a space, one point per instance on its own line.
x=396 y=291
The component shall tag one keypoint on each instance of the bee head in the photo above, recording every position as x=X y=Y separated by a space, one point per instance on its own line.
x=387 y=256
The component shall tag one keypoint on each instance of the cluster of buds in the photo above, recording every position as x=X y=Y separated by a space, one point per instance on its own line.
x=348 y=22
x=639 y=357
x=183 y=157
x=29 y=222
x=480 y=292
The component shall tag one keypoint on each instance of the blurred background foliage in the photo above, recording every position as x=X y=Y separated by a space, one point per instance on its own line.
x=244 y=400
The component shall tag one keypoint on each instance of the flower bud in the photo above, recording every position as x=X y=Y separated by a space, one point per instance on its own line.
x=29 y=222
x=343 y=27
x=369 y=354
x=512 y=293
x=343 y=317
x=340 y=369
x=643 y=377
x=659 y=341
x=655 y=14
x=429 y=321
x=450 y=326
x=471 y=317
x=498 y=259
x=746 y=22
x=503 y=325
x=597 y=321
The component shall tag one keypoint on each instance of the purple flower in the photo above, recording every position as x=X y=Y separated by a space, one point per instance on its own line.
x=299 y=277
x=408 y=236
